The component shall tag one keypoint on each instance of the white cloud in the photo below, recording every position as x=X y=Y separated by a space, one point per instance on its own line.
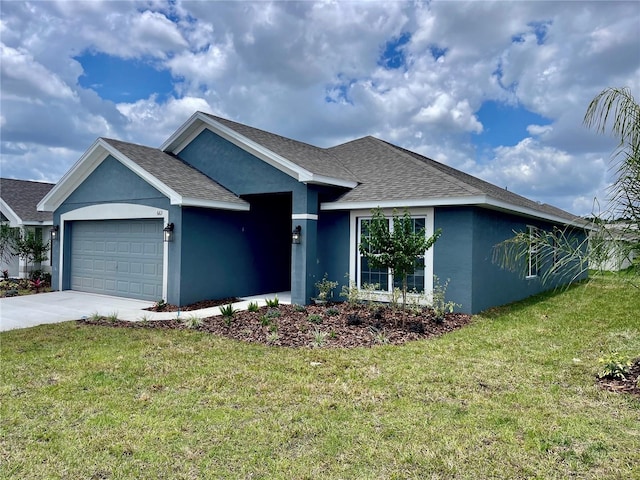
x=272 y=65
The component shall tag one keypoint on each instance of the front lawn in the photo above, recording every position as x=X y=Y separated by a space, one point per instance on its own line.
x=512 y=395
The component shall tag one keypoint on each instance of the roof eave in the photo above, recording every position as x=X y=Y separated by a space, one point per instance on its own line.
x=219 y=205
x=477 y=200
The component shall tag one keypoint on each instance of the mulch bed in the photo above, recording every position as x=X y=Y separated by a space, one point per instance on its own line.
x=337 y=325
x=628 y=385
x=168 y=307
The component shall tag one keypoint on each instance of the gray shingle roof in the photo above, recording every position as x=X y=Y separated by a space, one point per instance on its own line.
x=319 y=161
x=391 y=173
x=175 y=174
x=22 y=196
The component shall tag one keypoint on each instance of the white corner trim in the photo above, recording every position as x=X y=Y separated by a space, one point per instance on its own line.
x=304 y=216
x=7 y=211
x=337 y=182
x=115 y=211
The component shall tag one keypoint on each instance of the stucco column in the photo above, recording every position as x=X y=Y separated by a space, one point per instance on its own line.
x=304 y=255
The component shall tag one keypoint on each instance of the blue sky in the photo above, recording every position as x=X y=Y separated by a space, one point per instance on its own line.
x=497 y=90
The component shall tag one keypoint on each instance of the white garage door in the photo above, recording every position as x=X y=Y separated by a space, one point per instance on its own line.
x=117 y=257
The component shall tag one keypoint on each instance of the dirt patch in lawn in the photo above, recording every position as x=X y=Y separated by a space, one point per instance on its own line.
x=339 y=325
x=627 y=385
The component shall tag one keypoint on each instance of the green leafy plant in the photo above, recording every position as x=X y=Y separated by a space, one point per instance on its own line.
x=272 y=303
x=439 y=305
x=314 y=318
x=614 y=366
x=192 y=322
x=95 y=317
x=112 y=317
x=273 y=337
x=228 y=311
x=253 y=307
x=160 y=305
x=300 y=308
x=273 y=313
x=379 y=335
x=332 y=311
x=319 y=338
x=350 y=291
x=325 y=288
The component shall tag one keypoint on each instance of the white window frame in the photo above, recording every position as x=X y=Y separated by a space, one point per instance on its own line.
x=354 y=241
x=533 y=256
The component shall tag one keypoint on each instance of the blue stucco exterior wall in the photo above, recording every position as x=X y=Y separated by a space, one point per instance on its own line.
x=234 y=254
x=333 y=249
x=464 y=256
x=234 y=168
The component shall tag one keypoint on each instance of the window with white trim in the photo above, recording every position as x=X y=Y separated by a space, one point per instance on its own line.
x=366 y=274
x=533 y=255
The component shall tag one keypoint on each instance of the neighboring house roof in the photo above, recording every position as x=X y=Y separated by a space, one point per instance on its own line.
x=181 y=183
x=18 y=201
x=394 y=177
x=301 y=161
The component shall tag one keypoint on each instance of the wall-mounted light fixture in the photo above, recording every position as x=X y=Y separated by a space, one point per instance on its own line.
x=168 y=232
x=295 y=235
x=54 y=232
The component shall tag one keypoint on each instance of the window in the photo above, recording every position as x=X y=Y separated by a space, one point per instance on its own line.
x=533 y=256
x=366 y=274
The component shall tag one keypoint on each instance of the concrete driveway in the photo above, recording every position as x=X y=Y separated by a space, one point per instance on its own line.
x=53 y=307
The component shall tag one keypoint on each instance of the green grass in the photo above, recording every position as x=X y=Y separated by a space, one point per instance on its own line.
x=511 y=396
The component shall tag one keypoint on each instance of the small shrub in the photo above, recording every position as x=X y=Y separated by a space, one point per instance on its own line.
x=253 y=307
x=332 y=311
x=394 y=297
x=314 y=318
x=273 y=313
x=160 y=305
x=354 y=319
x=228 y=311
x=319 y=338
x=112 y=317
x=439 y=306
x=272 y=303
x=300 y=308
x=264 y=321
x=273 y=337
x=350 y=292
x=615 y=366
x=325 y=288
x=379 y=335
x=95 y=317
x=192 y=322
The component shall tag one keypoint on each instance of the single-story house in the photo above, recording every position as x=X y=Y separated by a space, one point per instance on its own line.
x=249 y=212
x=18 y=202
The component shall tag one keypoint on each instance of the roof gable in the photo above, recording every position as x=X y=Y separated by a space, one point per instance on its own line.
x=182 y=184
x=305 y=163
x=18 y=201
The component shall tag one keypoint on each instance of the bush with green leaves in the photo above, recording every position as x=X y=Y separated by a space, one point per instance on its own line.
x=614 y=366
x=332 y=311
x=319 y=338
x=300 y=308
x=192 y=322
x=439 y=304
x=350 y=291
x=272 y=303
x=314 y=318
x=325 y=288
x=253 y=307
x=228 y=311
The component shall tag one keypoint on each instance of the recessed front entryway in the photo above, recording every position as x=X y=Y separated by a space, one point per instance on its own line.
x=118 y=257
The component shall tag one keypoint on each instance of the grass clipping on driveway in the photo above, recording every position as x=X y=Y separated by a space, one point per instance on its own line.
x=513 y=395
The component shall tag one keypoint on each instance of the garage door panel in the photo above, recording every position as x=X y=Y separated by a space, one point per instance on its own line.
x=118 y=257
